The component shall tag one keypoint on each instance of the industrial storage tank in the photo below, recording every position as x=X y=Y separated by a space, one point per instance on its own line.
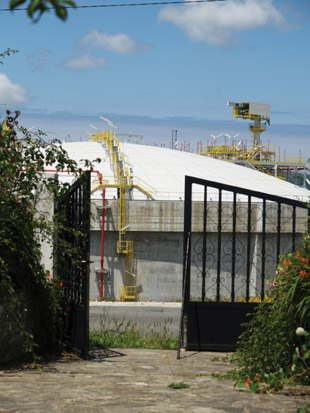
x=138 y=212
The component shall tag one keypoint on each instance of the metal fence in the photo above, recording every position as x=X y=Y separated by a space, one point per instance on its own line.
x=231 y=248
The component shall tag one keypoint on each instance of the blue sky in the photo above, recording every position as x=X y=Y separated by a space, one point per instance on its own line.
x=156 y=68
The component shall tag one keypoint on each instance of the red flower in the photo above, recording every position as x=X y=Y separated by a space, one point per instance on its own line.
x=258 y=379
x=49 y=275
x=304 y=260
x=60 y=284
x=303 y=274
x=298 y=254
x=68 y=308
x=247 y=382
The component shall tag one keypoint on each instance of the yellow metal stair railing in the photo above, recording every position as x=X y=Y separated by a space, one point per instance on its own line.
x=251 y=155
x=260 y=168
x=122 y=178
x=122 y=204
x=128 y=291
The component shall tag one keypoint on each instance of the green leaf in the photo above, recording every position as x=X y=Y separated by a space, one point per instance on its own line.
x=61 y=12
x=34 y=6
x=253 y=387
x=16 y=3
x=69 y=3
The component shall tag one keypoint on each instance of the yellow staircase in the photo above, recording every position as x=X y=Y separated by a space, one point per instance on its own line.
x=128 y=291
x=260 y=168
x=122 y=178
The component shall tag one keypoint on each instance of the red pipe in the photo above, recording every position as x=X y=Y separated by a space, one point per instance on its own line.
x=102 y=240
x=66 y=170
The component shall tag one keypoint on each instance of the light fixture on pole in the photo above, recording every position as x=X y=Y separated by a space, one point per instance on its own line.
x=109 y=122
x=216 y=137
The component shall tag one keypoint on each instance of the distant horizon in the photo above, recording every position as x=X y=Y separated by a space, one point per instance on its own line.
x=291 y=138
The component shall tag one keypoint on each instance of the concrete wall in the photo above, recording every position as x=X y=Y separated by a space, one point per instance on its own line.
x=44 y=204
x=168 y=216
x=156 y=229
x=157 y=263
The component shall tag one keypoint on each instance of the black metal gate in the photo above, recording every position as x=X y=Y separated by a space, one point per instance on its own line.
x=73 y=217
x=232 y=241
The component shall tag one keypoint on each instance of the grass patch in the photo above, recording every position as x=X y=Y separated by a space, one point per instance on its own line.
x=122 y=334
x=230 y=375
x=179 y=385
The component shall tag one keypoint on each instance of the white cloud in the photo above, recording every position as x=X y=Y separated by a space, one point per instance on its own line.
x=216 y=23
x=11 y=93
x=119 y=43
x=85 y=61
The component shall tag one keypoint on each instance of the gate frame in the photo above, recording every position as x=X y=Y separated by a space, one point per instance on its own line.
x=74 y=205
x=196 y=314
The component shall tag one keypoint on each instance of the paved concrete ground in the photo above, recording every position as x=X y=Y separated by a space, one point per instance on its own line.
x=128 y=380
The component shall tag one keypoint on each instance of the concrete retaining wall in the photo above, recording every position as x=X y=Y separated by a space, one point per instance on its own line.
x=156 y=229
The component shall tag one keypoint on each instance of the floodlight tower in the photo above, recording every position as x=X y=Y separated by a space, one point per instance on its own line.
x=258 y=113
x=174 y=140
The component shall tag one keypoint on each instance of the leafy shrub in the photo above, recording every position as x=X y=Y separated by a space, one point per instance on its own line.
x=23 y=156
x=271 y=351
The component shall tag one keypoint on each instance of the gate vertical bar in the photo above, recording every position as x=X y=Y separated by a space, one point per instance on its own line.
x=204 y=246
x=263 y=249
x=219 y=246
x=294 y=229
x=233 y=247
x=278 y=229
x=186 y=260
x=248 y=250
x=187 y=231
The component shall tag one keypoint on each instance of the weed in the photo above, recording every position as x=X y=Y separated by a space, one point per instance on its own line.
x=125 y=334
x=304 y=408
x=179 y=385
x=224 y=359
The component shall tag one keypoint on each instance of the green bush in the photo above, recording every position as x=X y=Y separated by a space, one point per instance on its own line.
x=38 y=315
x=271 y=351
